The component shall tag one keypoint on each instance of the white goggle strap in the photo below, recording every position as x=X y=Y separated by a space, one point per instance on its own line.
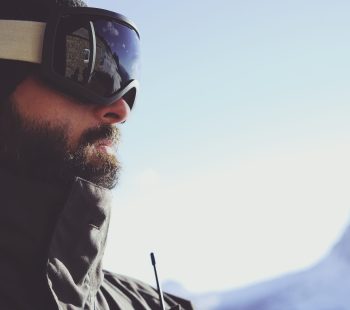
x=21 y=40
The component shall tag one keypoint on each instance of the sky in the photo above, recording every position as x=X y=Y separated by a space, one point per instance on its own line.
x=235 y=157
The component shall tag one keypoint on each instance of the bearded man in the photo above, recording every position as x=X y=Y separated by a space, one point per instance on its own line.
x=67 y=79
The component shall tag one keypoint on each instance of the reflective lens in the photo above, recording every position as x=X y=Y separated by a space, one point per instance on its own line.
x=100 y=54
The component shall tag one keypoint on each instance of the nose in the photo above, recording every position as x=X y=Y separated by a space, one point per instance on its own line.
x=117 y=112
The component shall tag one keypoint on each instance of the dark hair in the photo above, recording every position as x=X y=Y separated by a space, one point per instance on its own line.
x=13 y=72
x=35 y=10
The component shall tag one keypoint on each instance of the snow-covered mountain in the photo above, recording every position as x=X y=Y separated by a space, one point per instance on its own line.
x=325 y=286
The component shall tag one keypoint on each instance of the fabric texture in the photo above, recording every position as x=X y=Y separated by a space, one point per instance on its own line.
x=52 y=242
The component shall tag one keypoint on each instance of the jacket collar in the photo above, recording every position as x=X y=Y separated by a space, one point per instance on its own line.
x=57 y=234
x=77 y=246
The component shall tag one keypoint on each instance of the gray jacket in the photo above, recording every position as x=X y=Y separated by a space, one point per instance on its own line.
x=51 y=247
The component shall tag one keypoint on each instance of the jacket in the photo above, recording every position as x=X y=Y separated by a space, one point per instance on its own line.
x=51 y=247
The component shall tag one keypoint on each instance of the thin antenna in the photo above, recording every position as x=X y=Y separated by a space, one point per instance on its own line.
x=153 y=259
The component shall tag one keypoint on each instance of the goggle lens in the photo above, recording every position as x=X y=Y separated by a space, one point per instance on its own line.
x=100 y=54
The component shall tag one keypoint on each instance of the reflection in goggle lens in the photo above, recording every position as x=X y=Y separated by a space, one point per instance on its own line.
x=101 y=55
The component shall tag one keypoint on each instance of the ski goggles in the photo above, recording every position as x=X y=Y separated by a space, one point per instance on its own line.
x=88 y=53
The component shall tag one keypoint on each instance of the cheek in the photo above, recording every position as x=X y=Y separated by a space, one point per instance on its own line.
x=38 y=103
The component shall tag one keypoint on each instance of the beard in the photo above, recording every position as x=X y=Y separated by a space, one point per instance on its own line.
x=41 y=151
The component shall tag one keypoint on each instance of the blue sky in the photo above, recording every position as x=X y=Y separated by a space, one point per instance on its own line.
x=236 y=154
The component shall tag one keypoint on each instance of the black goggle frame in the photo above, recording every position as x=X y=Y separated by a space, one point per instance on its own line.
x=68 y=86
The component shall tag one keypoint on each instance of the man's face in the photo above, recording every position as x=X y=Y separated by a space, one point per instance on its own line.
x=52 y=137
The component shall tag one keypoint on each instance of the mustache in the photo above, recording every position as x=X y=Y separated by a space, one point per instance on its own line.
x=93 y=135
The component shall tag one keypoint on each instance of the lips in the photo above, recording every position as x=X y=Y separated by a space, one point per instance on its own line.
x=105 y=146
x=104 y=142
